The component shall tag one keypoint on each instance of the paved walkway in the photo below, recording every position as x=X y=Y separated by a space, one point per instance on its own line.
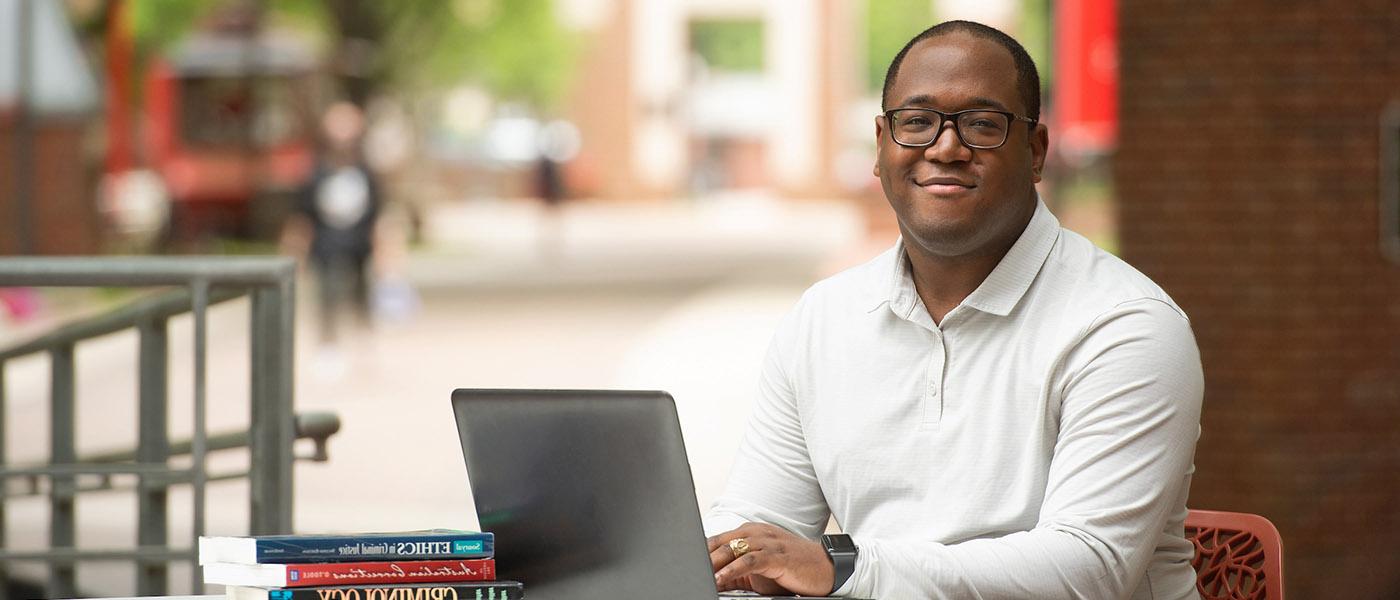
x=681 y=298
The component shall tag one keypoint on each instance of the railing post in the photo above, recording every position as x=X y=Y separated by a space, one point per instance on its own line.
x=153 y=446
x=273 y=424
x=62 y=528
x=4 y=488
x=271 y=285
x=199 y=293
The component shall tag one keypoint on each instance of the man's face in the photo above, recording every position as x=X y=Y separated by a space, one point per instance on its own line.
x=951 y=200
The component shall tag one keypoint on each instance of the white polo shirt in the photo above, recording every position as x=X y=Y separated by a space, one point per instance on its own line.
x=1036 y=444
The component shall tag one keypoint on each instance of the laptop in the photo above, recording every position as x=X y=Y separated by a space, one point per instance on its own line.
x=589 y=493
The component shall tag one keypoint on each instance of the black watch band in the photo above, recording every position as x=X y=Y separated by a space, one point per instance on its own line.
x=842 y=552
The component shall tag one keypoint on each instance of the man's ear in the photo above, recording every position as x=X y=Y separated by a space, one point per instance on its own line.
x=1040 y=145
x=879 y=134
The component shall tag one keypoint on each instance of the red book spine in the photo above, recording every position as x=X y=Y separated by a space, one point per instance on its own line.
x=404 y=571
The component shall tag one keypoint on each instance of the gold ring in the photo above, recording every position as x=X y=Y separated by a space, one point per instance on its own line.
x=739 y=546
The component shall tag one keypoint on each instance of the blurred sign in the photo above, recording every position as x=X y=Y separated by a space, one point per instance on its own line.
x=1086 y=75
x=61 y=82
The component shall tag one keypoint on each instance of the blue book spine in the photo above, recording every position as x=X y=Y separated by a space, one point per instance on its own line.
x=475 y=590
x=402 y=546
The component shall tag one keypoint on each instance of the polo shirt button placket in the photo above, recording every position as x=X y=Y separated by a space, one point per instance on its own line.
x=933 y=404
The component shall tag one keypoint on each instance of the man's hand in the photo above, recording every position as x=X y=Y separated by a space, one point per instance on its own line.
x=777 y=562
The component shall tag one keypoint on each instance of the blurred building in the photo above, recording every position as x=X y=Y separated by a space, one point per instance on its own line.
x=228 y=115
x=47 y=95
x=1257 y=179
x=661 y=119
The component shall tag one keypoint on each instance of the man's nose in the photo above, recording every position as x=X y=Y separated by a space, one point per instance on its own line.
x=947 y=147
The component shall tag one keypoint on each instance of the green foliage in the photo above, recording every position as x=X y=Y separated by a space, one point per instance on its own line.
x=306 y=17
x=514 y=48
x=157 y=24
x=889 y=25
x=729 y=44
x=1035 y=36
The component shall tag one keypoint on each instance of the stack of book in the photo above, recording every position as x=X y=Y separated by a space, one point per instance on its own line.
x=437 y=564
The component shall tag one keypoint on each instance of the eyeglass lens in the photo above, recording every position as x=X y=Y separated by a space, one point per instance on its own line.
x=978 y=129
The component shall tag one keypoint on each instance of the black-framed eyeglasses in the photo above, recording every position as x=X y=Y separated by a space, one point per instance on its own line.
x=978 y=128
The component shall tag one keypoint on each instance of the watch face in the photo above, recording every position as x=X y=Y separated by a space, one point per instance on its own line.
x=838 y=543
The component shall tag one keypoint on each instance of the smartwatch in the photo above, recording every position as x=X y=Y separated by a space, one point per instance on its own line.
x=842 y=552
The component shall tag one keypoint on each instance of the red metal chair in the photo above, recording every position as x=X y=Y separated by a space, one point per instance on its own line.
x=1239 y=556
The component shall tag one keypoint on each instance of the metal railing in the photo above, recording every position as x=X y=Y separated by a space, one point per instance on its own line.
x=269 y=282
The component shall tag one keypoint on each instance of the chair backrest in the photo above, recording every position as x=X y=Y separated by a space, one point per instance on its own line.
x=1239 y=556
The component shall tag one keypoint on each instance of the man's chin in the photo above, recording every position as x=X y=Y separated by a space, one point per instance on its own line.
x=942 y=239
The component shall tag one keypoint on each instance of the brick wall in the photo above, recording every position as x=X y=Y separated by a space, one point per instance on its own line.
x=63 y=217
x=1248 y=185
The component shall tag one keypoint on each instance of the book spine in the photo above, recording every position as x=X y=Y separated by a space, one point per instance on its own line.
x=388 y=548
x=505 y=590
x=418 y=571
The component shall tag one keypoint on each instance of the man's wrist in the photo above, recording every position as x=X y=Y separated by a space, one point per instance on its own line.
x=842 y=552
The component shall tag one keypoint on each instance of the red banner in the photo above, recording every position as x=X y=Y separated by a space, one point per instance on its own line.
x=1086 y=75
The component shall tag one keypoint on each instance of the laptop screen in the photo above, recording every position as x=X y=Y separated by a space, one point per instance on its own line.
x=589 y=493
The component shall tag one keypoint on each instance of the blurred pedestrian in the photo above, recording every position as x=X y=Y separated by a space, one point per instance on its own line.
x=557 y=144
x=337 y=210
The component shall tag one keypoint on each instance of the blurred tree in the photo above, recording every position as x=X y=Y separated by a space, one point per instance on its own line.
x=1035 y=36
x=889 y=25
x=156 y=24
x=515 y=49
x=729 y=44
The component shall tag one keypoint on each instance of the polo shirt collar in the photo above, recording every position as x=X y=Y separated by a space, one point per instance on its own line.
x=1000 y=291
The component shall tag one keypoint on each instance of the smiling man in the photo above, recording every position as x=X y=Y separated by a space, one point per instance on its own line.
x=993 y=408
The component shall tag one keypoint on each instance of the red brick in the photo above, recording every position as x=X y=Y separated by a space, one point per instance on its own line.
x=1242 y=195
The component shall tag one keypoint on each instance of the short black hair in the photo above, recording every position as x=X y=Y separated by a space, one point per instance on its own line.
x=1027 y=77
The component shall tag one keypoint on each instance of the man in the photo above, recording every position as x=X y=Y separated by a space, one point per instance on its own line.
x=994 y=408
